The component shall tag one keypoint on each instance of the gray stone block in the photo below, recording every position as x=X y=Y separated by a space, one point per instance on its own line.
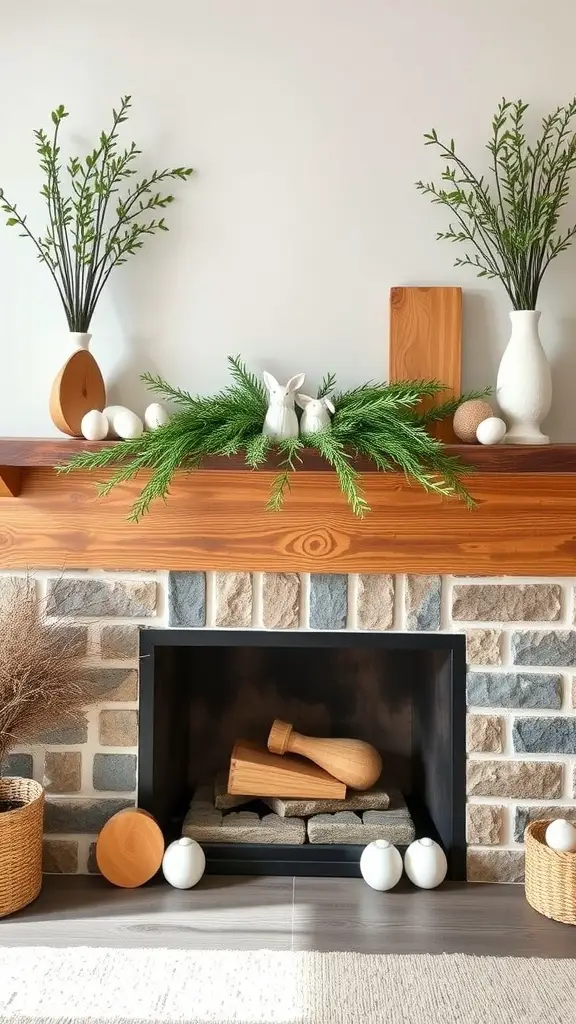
x=187 y=599
x=524 y=815
x=77 y=732
x=495 y=865
x=375 y=601
x=92 y=866
x=422 y=602
x=97 y=598
x=81 y=815
x=514 y=690
x=554 y=647
x=484 y=824
x=111 y=684
x=18 y=765
x=114 y=772
x=328 y=600
x=233 y=597
x=508 y=602
x=120 y=642
x=544 y=735
x=524 y=780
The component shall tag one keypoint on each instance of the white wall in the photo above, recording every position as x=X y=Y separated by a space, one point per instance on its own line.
x=304 y=120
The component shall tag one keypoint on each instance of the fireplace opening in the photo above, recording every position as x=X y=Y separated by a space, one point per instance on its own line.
x=201 y=691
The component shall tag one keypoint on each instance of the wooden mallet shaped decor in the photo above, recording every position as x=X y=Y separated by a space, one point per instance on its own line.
x=355 y=763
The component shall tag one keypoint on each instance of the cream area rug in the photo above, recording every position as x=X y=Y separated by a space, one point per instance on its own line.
x=53 y=986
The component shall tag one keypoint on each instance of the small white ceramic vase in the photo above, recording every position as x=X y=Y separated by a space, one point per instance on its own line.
x=184 y=863
x=524 y=382
x=425 y=863
x=381 y=865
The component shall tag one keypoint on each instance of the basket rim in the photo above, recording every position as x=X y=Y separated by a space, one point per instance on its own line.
x=7 y=815
x=529 y=834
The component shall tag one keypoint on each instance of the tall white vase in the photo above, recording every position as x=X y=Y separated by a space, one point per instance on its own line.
x=524 y=382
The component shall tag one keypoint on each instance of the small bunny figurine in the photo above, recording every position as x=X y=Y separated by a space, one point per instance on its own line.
x=316 y=415
x=281 y=420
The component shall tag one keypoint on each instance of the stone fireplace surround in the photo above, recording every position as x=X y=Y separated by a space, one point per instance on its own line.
x=521 y=686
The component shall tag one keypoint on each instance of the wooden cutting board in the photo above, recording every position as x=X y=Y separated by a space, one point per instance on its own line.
x=426 y=341
x=256 y=772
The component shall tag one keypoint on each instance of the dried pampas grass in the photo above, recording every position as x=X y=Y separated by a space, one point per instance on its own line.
x=41 y=683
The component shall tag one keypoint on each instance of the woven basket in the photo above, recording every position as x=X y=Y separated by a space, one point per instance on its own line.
x=550 y=876
x=20 y=844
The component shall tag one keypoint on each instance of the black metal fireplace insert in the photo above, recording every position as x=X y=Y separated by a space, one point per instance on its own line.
x=404 y=692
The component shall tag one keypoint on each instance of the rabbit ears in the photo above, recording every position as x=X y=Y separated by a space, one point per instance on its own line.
x=304 y=400
x=292 y=385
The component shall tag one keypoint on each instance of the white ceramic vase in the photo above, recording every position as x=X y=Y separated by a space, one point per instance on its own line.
x=381 y=865
x=425 y=863
x=184 y=863
x=524 y=382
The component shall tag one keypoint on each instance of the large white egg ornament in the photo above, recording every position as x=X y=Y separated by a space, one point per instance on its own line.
x=94 y=426
x=561 y=836
x=155 y=416
x=425 y=863
x=184 y=863
x=128 y=425
x=381 y=865
x=491 y=430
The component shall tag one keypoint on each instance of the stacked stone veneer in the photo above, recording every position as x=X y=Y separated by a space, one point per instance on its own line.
x=521 y=686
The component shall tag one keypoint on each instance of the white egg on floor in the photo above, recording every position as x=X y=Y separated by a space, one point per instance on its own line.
x=155 y=416
x=128 y=425
x=425 y=863
x=491 y=431
x=94 y=425
x=381 y=865
x=561 y=836
x=184 y=863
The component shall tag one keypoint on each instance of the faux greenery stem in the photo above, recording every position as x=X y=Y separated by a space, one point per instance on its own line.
x=511 y=226
x=382 y=422
x=84 y=241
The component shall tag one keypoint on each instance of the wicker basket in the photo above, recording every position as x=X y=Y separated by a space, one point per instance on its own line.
x=550 y=876
x=20 y=844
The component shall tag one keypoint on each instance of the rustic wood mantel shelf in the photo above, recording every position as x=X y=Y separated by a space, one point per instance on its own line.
x=525 y=522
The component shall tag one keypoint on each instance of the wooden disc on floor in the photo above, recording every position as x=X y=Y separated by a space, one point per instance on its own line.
x=130 y=848
x=78 y=388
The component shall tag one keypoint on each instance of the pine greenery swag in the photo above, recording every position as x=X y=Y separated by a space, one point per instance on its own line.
x=379 y=421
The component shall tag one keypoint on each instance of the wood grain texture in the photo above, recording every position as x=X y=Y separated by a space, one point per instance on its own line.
x=224 y=912
x=29 y=452
x=256 y=772
x=10 y=481
x=355 y=763
x=426 y=341
x=130 y=848
x=217 y=520
x=78 y=388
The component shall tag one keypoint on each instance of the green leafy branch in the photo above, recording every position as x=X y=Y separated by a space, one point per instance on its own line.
x=511 y=227
x=93 y=229
x=382 y=422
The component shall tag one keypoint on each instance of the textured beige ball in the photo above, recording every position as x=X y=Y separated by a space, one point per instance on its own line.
x=468 y=418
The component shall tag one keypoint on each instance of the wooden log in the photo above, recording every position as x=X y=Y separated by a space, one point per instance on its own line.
x=353 y=762
x=256 y=772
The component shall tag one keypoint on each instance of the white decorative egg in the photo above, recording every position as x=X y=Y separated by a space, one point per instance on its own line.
x=561 y=835
x=127 y=425
x=155 y=416
x=110 y=412
x=381 y=865
x=94 y=425
x=491 y=430
x=425 y=863
x=184 y=863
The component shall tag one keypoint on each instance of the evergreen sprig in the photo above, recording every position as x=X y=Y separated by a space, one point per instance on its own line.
x=93 y=228
x=511 y=226
x=382 y=422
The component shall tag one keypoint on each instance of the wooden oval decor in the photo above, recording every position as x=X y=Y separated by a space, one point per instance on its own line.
x=78 y=388
x=130 y=848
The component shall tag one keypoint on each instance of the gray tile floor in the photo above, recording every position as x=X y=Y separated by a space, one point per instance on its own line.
x=289 y=913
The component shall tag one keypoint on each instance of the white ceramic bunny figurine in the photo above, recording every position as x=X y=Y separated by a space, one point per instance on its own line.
x=316 y=415
x=281 y=420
